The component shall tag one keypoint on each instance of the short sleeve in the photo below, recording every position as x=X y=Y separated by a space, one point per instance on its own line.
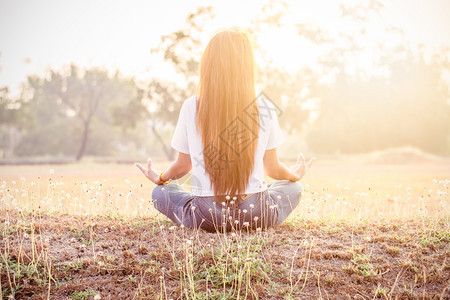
x=180 y=138
x=276 y=136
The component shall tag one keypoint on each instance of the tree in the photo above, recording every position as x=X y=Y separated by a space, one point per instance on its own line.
x=73 y=111
x=402 y=101
x=14 y=115
x=182 y=50
x=282 y=87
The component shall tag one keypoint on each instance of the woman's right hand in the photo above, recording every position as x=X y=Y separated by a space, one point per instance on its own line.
x=300 y=168
x=150 y=173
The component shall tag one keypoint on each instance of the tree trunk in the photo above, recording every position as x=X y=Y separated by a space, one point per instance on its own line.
x=167 y=150
x=84 y=139
x=12 y=134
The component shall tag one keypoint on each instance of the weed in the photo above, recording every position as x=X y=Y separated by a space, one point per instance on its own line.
x=393 y=250
x=363 y=265
x=84 y=295
x=381 y=292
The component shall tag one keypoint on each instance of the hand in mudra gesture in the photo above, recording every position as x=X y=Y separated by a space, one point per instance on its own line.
x=300 y=168
x=150 y=172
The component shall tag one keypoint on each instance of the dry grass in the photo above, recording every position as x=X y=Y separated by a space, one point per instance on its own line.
x=332 y=190
x=86 y=231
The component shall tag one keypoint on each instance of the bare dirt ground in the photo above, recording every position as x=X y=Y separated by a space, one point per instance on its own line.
x=81 y=257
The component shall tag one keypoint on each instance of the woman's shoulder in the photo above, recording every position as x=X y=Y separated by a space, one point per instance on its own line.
x=189 y=105
x=268 y=109
x=190 y=102
x=266 y=105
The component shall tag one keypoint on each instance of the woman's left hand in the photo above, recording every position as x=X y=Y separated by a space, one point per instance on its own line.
x=150 y=173
x=301 y=167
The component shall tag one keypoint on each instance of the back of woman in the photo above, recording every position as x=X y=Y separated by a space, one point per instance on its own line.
x=228 y=137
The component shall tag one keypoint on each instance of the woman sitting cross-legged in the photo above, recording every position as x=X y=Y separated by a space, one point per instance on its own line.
x=228 y=137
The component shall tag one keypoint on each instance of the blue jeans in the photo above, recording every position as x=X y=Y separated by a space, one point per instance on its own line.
x=261 y=210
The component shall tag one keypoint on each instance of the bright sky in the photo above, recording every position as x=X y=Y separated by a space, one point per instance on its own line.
x=35 y=35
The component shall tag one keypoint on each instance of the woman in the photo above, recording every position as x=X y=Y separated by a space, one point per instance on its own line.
x=228 y=139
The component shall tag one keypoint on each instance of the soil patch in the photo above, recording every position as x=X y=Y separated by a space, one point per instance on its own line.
x=84 y=257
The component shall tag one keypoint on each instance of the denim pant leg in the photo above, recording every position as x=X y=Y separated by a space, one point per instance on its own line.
x=174 y=202
x=260 y=211
x=183 y=208
x=286 y=195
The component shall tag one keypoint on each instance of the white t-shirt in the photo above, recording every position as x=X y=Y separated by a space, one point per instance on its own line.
x=187 y=139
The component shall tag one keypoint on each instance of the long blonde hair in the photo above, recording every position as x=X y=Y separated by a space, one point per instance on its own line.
x=227 y=113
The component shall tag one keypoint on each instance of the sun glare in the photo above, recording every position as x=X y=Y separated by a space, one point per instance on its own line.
x=290 y=49
x=287 y=49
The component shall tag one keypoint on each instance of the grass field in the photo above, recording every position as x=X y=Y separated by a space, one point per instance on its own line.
x=361 y=231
